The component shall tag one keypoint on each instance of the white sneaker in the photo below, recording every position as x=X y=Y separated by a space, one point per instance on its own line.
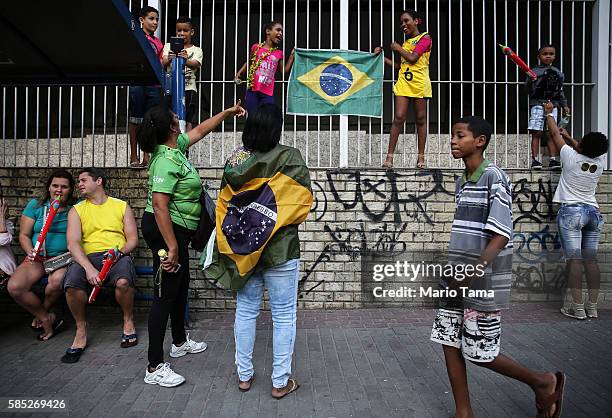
x=163 y=376
x=188 y=347
x=574 y=310
x=591 y=309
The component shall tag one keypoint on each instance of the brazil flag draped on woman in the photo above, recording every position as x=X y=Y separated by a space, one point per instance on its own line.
x=263 y=198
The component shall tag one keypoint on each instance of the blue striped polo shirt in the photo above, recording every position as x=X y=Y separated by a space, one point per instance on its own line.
x=484 y=209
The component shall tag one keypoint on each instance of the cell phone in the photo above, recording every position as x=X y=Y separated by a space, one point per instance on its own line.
x=176 y=44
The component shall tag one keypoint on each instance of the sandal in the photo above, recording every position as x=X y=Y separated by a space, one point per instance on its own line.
x=129 y=340
x=57 y=324
x=135 y=164
x=554 y=399
x=421 y=165
x=246 y=384
x=72 y=355
x=388 y=164
x=38 y=327
x=294 y=386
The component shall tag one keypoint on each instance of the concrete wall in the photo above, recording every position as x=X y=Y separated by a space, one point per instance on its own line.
x=363 y=211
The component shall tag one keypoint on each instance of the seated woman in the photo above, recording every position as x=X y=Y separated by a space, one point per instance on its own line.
x=265 y=194
x=579 y=219
x=59 y=183
x=7 y=259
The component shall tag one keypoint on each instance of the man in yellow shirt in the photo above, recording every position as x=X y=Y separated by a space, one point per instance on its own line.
x=97 y=224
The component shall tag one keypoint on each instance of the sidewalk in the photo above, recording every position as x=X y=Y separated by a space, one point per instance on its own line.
x=350 y=363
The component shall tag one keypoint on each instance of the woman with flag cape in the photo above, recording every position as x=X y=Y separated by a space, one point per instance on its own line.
x=265 y=194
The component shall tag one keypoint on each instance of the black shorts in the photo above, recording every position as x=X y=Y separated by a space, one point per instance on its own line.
x=123 y=269
x=191 y=107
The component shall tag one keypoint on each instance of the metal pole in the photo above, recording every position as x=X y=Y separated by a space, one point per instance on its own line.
x=178 y=90
x=344 y=28
x=602 y=71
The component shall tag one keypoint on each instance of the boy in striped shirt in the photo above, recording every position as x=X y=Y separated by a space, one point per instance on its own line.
x=480 y=249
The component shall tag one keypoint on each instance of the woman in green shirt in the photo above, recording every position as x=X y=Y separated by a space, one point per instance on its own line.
x=170 y=219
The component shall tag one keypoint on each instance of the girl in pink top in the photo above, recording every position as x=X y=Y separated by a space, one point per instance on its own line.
x=265 y=57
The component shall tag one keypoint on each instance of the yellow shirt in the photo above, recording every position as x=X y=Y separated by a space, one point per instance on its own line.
x=413 y=79
x=101 y=225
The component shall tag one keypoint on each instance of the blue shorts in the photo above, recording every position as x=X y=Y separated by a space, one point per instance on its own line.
x=142 y=98
x=580 y=227
x=254 y=99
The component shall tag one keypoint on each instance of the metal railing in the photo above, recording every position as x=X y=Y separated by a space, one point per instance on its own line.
x=76 y=125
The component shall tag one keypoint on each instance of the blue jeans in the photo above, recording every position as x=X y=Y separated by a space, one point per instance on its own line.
x=580 y=227
x=282 y=283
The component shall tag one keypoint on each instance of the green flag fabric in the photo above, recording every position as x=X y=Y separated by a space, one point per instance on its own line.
x=335 y=82
x=264 y=196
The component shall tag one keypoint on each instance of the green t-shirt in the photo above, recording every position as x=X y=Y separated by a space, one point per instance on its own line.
x=170 y=172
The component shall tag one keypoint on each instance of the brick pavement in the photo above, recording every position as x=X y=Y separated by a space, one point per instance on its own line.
x=350 y=363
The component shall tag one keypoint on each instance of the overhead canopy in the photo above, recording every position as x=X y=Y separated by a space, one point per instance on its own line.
x=73 y=42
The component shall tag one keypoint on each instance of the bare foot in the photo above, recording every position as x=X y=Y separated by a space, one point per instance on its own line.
x=543 y=391
x=292 y=386
x=421 y=161
x=469 y=414
x=388 y=164
x=80 y=338
x=36 y=323
x=47 y=325
x=245 y=385
x=128 y=326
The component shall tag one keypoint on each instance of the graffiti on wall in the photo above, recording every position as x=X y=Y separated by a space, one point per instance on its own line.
x=386 y=207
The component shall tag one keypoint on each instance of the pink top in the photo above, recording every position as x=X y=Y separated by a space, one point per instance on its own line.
x=157 y=46
x=424 y=45
x=263 y=79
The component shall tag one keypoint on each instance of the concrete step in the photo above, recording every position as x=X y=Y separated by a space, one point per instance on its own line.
x=319 y=148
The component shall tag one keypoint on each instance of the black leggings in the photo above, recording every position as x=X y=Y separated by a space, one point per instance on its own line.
x=174 y=288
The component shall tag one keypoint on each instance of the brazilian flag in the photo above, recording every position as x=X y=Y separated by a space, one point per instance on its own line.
x=261 y=201
x=335 y=82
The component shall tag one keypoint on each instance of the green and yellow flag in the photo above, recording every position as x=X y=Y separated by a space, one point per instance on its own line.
x=259 y=198
x=335 y=82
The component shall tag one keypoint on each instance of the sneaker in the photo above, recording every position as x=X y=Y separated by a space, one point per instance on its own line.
x=574 y=310
x=163 y=376
x=536 y=165
x=591 y=309
x=554 y=165
x=188 y=347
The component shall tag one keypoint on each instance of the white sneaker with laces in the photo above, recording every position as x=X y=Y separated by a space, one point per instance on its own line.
x=188 y=347
x=163 y=376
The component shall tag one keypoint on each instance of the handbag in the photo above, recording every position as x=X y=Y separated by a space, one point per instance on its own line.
x=206 y=225
x=57 y=262
x=53 y=263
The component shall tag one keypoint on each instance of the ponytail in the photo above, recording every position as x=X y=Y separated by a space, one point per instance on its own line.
x=155 y=128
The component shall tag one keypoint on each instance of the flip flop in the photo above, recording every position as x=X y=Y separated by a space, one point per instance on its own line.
x=57 y=324
x=556 y=398
x=126 y=340
x=72 y=355
x=250 y=382
x=294 y=386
